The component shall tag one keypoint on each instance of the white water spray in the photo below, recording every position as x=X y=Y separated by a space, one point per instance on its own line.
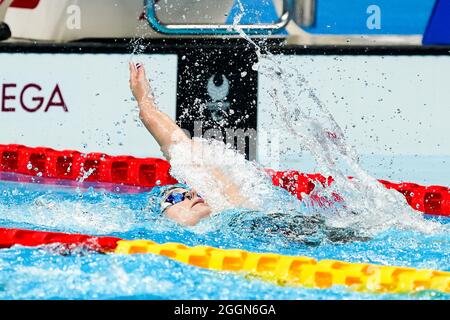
x=367 y=205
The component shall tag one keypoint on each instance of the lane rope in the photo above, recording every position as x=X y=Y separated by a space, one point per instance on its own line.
x=297 y=270
x=276 y=268
x=148 y=172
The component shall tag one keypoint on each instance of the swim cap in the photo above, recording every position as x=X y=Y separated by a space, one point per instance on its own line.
x=157 y=193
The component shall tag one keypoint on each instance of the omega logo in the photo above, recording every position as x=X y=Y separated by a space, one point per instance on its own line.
x=29 y=98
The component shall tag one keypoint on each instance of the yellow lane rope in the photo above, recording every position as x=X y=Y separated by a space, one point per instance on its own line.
x=297 y=270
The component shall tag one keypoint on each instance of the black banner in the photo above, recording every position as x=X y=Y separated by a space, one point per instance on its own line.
x=217 y=309
x=217 y=95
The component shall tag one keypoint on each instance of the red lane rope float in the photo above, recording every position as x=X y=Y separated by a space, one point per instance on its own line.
x=427 y=199
x=73 y=165
x=148 y=172
x=31 y=238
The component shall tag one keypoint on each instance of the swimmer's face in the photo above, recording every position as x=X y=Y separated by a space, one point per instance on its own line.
x=189 y=211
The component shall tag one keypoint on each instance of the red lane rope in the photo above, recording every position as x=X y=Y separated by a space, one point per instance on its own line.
x=433 y=200
x=74 y=165
x=31 y=238
x=148 y=172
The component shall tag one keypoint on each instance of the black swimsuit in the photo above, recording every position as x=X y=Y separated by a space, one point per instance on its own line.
x=310 y=230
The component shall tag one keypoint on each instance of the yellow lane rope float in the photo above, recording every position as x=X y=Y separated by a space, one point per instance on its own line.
x=296 y=270
x=280 y=269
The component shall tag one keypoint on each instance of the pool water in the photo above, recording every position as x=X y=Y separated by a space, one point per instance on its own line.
x=371 y=225
x=44 y=273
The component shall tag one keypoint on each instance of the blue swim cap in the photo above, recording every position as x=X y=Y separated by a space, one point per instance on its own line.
x=157 y=193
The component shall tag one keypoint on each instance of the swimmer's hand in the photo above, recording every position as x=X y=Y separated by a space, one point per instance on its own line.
x=139 y=85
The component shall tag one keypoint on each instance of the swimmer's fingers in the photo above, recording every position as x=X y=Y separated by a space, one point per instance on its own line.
x=137 y=74
x=132 y=68
x=132 y=73
x=140 y=70
x=139 y=83
x=142 y=78
x=137 y=70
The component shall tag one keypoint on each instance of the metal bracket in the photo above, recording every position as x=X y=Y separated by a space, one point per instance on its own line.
x=304 y=12
x=217 y=29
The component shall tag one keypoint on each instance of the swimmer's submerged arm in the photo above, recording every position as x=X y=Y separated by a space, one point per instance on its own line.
x=231 y=190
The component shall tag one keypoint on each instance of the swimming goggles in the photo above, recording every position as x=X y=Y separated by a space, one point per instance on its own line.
x=174 y=196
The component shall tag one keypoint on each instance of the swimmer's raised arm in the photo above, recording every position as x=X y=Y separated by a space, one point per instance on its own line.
x=163 y=129
x=167 y=132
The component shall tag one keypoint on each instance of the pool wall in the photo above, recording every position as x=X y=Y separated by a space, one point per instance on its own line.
x=390 y=102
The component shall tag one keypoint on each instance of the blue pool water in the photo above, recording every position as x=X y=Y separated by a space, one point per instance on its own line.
x=43 y=273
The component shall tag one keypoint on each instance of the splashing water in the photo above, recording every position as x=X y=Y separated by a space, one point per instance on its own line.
x=365 y=205
x=42 y=273
x=195 y=164
x=67 y=209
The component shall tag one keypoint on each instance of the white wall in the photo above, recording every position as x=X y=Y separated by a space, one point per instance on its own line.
x=396 y=115
x=65 y=20
x=391 y=109
x=95 y=88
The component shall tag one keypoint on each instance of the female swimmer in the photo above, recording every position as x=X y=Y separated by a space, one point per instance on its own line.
x=186 y=207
